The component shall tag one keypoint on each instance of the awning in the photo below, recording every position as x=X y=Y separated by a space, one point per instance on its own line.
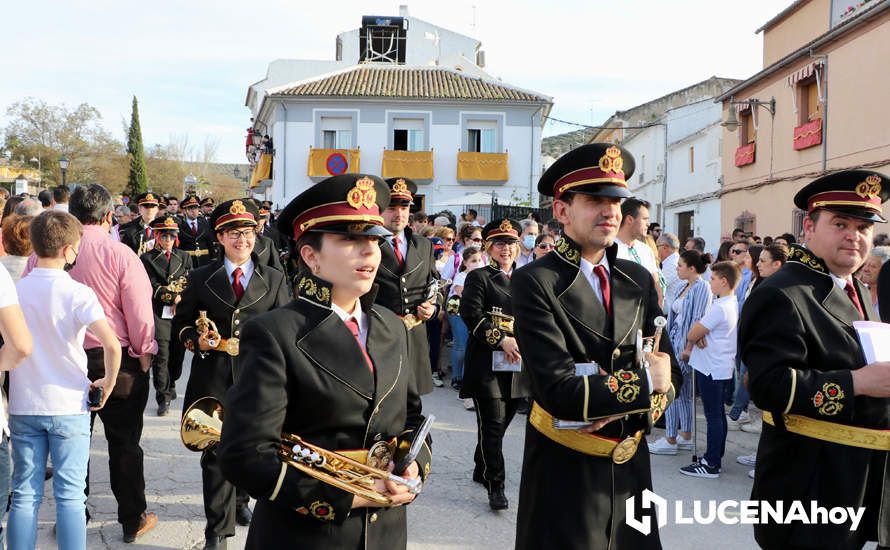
x=262 y=170
x=805 y=72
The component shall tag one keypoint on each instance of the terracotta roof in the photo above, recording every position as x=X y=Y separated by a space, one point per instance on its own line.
x=375 y=80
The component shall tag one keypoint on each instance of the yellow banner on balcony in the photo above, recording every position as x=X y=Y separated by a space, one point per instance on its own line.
x=324 y=163
x=262 y=170
x=482 y=166
x=416 y=165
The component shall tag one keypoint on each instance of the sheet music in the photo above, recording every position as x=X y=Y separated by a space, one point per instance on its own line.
x=875 y=340
x=499 y=363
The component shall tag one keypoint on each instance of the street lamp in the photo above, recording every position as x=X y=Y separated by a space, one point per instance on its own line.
x=63 y=165
x=732 y=122
x=21 y=184
x=36 y=160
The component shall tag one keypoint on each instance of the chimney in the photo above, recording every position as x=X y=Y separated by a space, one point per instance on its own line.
x=403 y=10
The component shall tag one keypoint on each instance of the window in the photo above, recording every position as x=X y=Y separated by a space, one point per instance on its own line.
x=797 y=216
x=481 y=140
x=408 y=134
x=691 y=159
x=685 y=222
x=747 y=222
x=747 y=133
x=809 y=107
x=337 y=139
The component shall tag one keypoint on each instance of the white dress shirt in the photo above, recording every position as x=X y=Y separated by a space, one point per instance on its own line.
x=587 y=270
x=403 y=244
x=246 y=271
x=360 y=317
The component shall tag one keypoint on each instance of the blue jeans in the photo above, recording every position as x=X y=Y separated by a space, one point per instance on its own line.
x=4 y=485
x=741 y=399
x=459 y=335
x=712 y=401
x=67 y=439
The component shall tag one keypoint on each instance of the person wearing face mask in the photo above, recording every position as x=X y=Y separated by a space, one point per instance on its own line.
x=331 y=367
x=165 y=265
x=407 y=280
x=471 y=259
x=231 y=290
x=493 y=370
x=530 y=229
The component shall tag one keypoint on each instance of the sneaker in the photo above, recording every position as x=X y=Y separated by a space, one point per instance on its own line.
x=747 y=460
x=751 y=474
x=437 y=381
x=751 y=428
x=663 y=447
x=469 y=405
x=700 y=469
x=684 y=444
x=744 y=418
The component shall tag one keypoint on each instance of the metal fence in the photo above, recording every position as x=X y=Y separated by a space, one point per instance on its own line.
x=498 y=211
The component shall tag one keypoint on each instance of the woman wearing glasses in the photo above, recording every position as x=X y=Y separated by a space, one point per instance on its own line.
x=493 y=374
x=231 y=290
x=543 y=245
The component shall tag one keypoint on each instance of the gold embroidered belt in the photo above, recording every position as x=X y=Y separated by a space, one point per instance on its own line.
x=853 y=436
x=198 y=252
x=620 y=451
x=378 y=456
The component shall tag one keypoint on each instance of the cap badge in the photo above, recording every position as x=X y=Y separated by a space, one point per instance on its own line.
x=612 y=161
x=149 y=197
x=170 y=222
x=400 y=187
x=506 y=226
x=870 y=188
x=237 y=208
x=363 y=194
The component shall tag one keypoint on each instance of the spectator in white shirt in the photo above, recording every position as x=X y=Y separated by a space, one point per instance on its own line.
x=530 y=232
x=60 y=198
x=668 y=246
x=634 y=226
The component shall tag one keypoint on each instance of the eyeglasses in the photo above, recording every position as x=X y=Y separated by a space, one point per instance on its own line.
x=449 y=239
x=738 y=251
x=170 y=236
x=235 y=235
x=545 y=246
x=500 y=244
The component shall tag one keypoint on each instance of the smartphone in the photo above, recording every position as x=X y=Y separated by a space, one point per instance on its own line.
x=94 y=399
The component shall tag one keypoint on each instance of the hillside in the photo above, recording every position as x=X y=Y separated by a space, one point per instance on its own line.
x=558 y=145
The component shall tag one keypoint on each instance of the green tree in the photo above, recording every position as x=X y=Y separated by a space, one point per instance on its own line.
x=137 y=181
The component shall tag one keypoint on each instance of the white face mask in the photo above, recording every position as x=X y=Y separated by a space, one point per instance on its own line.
x=474 y=265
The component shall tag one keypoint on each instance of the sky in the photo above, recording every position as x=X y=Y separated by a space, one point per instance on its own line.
x=190 y=63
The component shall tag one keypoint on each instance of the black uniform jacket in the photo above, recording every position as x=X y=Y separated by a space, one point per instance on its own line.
x=484 y=289
x=132 y=234
x=796 y=336
x=209 y=289
x=205 y=239
x=161 y=273
x=307 y=376
x=401 y=291
x=568 y=499
x=267 y=252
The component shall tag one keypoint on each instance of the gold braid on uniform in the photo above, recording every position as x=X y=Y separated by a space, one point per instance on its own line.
x=801 y=255
x=314 y=289
x=569 y=251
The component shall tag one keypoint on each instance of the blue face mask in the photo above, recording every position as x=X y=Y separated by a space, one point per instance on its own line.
x=528 y=242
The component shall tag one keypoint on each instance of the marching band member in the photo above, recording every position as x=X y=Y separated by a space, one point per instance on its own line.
x=231 y=290
x=167 y=267
x=493 y=375
x=195 y=235
x=331 y=367
x=577 y=312
x=137 y=233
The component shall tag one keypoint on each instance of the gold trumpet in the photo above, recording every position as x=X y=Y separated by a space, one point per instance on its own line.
x=177 y=285
x=201 y=428
x=501 y=320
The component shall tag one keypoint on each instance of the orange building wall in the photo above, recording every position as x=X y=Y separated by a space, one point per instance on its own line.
x=806 y=23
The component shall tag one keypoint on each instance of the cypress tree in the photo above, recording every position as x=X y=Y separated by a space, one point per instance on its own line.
x=137 y=181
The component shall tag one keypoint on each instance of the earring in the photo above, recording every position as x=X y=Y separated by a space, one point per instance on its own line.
x=315 y=269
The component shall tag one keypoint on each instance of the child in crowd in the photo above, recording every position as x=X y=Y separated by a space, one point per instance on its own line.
x=471 y=259
x=714 y=362
x=49 y=391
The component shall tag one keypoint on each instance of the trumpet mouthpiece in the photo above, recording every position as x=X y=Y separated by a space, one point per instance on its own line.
x=660 y=322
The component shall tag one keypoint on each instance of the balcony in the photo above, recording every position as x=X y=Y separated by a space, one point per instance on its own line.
x=415 y=165
x=808 y=135
x=745 y=154
x=324 y=163
x=482 y=167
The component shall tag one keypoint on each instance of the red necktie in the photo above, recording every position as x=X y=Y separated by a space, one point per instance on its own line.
x=352 y=325
x=399 y=257
x=851 y=292
x=194 y=227
x=236 y=284
x=147 y=233
x=600 y=272
x=167 y=253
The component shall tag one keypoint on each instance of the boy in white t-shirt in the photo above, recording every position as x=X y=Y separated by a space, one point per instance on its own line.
x=710 y=351
x=48 y=410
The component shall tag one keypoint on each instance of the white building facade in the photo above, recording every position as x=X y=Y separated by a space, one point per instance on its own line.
x=438 y=116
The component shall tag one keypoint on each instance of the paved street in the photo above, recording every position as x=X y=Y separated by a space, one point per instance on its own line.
x=452 y=512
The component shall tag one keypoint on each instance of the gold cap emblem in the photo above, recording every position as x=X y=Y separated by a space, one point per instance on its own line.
x=400 y=187
x=612 y=161
x=237 y=208
x=870 y=188
x=363 y=194
x=506 y=226
x=149 y=197
x=170 y=222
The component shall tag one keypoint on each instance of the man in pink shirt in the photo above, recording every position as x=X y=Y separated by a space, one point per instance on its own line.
x=117 y=276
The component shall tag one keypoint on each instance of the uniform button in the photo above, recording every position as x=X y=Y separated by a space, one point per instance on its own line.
x=407 y=311
x=237 y=322
x=378 y=437
x=404 y=290
x=237 y=332
x=404 y=280
x=616 y=354
x=406 y=300
x=373 y=517
x=237 y=311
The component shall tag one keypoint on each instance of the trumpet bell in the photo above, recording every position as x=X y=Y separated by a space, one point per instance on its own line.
x=201 y=425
